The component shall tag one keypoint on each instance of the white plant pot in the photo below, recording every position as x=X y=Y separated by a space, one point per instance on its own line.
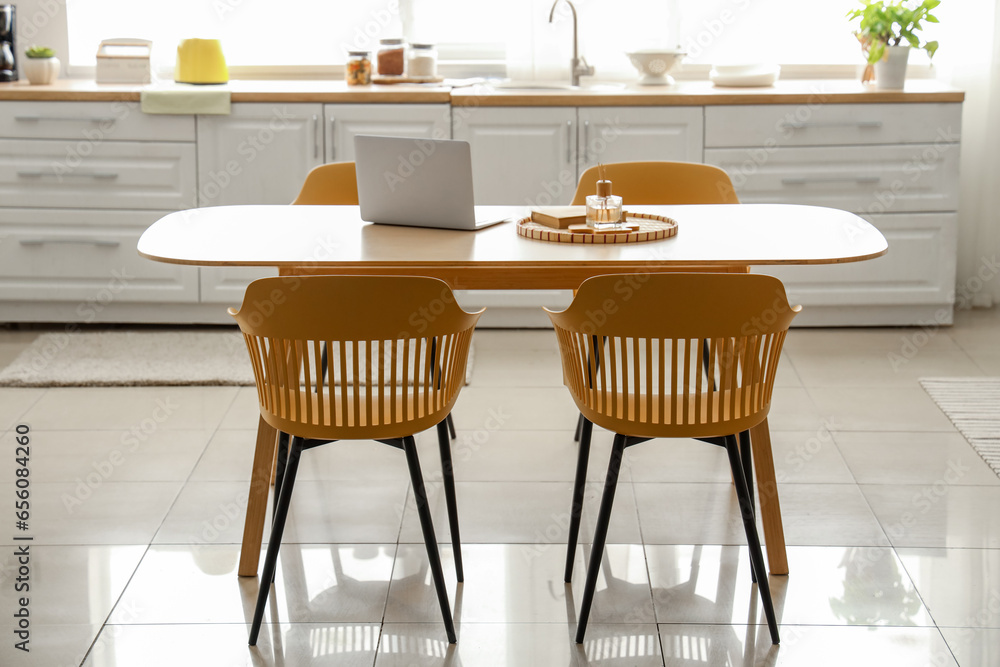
x=40 y=71
x=890 y=71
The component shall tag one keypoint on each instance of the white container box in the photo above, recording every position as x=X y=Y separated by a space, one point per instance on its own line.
x=124 y=60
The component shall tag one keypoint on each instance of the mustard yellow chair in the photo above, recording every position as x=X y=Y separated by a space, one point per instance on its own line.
x=387 y=381
x=638 y=372
x=639 y=183
x=335 y=183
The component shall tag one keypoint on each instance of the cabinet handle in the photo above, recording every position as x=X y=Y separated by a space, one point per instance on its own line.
x=315 y=135
x=101 y=243
x=38 y=173
x=860 y=180
x=569 y=141
x=586 y=141
x=866 y=124
x=85 y=119
x=333 y=138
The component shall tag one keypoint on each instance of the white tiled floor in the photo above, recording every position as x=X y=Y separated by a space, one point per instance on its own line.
x=138 y=499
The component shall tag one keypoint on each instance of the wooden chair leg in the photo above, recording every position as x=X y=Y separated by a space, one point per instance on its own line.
x=430 y=541
x=600 y=534
x=767 y=492
x=444 y=443
x=260 y=484
x=274 y=543
x=579 y=488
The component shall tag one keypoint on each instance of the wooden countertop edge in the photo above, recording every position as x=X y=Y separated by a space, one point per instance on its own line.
x=463 y=97
x=713 y=99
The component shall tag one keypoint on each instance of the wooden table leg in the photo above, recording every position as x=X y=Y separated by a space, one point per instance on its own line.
x=767 y=491
x=260 y=484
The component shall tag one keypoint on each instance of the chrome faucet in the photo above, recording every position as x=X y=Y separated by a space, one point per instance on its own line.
x=578 y=66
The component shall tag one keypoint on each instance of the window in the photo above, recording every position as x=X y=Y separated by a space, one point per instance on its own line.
x=315 y=34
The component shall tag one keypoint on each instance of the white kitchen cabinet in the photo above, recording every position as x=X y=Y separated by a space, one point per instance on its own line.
x=895 y=164
x=520 y=155
x=345 y=121
x=628 y=134
x=86 y=257
x=108 y=174
x=259 y=154
x=893 y=178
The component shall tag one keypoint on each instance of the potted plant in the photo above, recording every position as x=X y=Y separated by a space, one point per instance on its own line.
x=887 y=30
x=42 y=66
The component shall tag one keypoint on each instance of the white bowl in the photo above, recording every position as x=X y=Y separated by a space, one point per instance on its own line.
x=654 y=65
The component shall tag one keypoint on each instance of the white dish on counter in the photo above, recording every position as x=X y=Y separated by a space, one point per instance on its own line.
x=744 y=75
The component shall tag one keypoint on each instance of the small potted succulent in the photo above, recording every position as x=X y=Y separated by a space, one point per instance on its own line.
x=41 y=66
x=887 y=30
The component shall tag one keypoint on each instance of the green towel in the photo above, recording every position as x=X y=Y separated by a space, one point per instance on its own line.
x=186 y=98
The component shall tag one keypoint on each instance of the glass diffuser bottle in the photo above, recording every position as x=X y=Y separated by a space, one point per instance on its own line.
x=604 y=210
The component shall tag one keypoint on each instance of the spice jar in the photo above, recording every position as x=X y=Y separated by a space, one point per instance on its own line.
x=423 y=61
x=390 y=57
x=359 y=68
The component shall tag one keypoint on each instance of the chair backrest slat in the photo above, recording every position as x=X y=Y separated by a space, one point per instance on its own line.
x=353 y=395
x=704 y=351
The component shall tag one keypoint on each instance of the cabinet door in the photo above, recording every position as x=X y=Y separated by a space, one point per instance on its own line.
x=520 y=155
x=344 y=121
x=627 y=134
x=260 y=154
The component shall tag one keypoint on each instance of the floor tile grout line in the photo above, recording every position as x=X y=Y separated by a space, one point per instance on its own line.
x=104 y=623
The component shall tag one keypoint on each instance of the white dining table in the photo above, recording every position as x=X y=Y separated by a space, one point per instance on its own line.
x=307 y=240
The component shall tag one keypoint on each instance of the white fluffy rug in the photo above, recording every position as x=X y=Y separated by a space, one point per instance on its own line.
x=115 y=358
x=133 y=358
x=973 y=406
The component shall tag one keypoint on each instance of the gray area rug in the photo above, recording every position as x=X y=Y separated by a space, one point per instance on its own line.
x=973 y=406
x=135 y=358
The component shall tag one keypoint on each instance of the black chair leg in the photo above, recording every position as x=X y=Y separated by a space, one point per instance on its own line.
x=747 y=463
x=746 y=457
x=579 y=428
x=451 y=426
x=427 y=525
x=600 y=534
x=449 y=493
x=279 y=474
x=753 y=541
x=579 y=488
x=274 y=543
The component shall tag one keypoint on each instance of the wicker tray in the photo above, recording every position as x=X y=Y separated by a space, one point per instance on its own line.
x=651 y=228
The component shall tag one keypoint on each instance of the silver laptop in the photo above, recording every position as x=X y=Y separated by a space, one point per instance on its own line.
x=420 y=183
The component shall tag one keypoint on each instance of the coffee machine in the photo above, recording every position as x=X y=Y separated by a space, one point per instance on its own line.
x=8 y=59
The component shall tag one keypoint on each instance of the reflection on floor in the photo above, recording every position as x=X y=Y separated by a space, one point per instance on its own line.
x=138 y=497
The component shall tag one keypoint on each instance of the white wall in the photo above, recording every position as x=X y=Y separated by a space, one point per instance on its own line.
x=42 y=23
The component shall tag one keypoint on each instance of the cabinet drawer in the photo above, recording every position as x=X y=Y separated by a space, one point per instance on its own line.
x=91 y=122
x=916 y=177
x=85 y=256
x=918 y=269
x=831 y=124
x=345 y=121
x=121 y=174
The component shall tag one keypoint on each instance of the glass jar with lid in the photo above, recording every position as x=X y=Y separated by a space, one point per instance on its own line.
x=358 y=71
x=390 y=59
x=423 y=61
